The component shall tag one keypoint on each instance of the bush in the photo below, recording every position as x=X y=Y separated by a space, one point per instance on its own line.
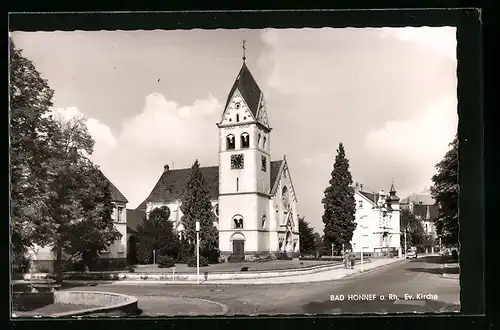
x=283 y=256
x=143 y=255
x=192 y=261
x=265 y=258
x=21 y=265
x=165 y=261
x=79 y=266
x=185 y=252
x=454 y=254
x=212 y=255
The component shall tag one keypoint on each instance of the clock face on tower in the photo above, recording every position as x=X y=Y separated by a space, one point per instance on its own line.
x=237 y=161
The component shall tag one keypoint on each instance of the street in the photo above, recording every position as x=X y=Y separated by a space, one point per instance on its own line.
x=420 y=280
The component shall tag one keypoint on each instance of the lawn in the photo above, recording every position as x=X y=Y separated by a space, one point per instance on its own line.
x=229 y=267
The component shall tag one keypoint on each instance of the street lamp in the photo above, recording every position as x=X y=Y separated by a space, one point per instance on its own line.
x=197 y=251
x=154 y=257
x=362 y=246
x=332 y=250
x=406 y=249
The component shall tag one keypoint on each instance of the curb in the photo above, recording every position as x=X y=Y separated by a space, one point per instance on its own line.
x=225 y=308
x=128 y=305
x=149 y=277
x=447 y=276
x=368 y=271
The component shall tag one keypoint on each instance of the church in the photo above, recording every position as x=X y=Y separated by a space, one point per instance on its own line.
x=253 y=197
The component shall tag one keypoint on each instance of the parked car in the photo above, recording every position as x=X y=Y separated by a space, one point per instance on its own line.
x=411 y=253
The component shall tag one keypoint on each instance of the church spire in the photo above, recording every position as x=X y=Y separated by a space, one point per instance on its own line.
x=243 y=45
x=392 y=193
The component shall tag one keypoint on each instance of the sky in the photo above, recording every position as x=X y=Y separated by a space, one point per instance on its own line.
x=153 y=98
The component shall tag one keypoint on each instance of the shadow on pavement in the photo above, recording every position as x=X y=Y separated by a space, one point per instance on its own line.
x=377 y=307
x=435 y=259
x=437 y=271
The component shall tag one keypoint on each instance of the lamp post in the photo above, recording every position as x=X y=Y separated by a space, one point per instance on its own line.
x=154 y=257
x=332 y=250
x=362 y=245
x=197 y=251
x=406 y=249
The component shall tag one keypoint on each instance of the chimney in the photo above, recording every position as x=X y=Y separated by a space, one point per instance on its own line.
x=361 y=187
x=166 y=168
x=357 y=186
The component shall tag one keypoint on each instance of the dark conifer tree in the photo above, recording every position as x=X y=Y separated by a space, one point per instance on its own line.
x=339 y=204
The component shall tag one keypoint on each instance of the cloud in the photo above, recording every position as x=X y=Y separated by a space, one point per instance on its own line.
x=441 y=41
x=409 y=148
x=159 y=135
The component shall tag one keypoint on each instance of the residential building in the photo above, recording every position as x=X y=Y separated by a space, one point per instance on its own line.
x=378 y=218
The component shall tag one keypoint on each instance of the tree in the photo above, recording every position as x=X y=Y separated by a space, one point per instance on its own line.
x=157 y=233
x=339 y=204
x=196 y=205
x=96 y=231
x=29 y=101
x=77 y=196
x=307 y=239
x=445 y=192
x=415 y=235
x=57 y=194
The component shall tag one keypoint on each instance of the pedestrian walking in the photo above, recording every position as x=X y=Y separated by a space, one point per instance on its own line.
x=346 y=259
x=352 y=257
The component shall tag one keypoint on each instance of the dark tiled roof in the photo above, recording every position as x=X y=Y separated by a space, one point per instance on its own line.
x=170 y=186
x=434 y=211
x=420 y=210
x=275 y=168
x=116 y=195
x=134 y=218
x=248 y=88
x=373 y=197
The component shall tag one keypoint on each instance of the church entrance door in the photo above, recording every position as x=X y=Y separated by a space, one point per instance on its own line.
x=238 y=250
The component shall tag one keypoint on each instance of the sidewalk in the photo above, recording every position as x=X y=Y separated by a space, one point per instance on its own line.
x=336 y=273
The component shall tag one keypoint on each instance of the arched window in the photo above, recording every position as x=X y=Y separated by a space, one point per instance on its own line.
x=263 y=221
x=237 y=222
x=230 y=142
x=284 y=197
x=258 y=141
x=245 y=140
x=264 y=143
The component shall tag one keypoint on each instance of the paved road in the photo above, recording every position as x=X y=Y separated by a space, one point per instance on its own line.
x=421 y=276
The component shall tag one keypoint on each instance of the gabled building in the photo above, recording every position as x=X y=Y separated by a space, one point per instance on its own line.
x=253 y=197
x=422 y=205
x=378 y=222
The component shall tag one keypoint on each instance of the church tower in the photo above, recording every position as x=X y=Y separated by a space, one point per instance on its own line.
x=393 y=204
x=244 y=168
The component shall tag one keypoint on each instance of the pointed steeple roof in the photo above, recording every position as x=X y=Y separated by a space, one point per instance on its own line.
x=392 y=193
x=248 y=88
